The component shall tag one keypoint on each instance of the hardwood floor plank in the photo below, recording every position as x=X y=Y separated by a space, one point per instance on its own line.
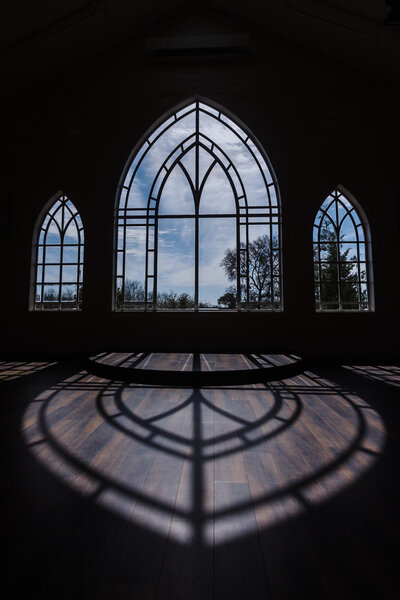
x=287 y=489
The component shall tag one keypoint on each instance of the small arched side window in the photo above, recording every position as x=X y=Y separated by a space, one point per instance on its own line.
x=58 y=258
x=342 y=255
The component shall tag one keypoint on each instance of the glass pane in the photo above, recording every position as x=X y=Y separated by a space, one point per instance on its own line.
x=205 y=160
x=328 y=252
x=150 y=264
x=78 y=221
x=347 y=230
x=69 y=292
x=317 y=221
x=70 y=254
x=188 y=161
x=69 y=273
x=135 y=255
x=275 y=236
x=329 y=272
x=328 y=230
x=275 y=263
x=177 y=196
x=120 y=263
x=276 y=292
x=364 y=292
x=53 y=254
x=349 y=292
x=363 y=271
x=217 y=195
x=330 y=295
x=208 y=108
x=120 y=238
x=345 y=203
x=52 y=274
x=217 y=245
x=50 y=293
x=342 y=211
x=176 y=263
x=331 y=211
x=150 y=290
x=53 y=234
x=118 y=293
x=349 y=271
x=71 y=210
x=71 y=234
x=58 y=216
x=348 y=252
x=317 y=293
x=134 y=291
x=261 y=264
x=360 y=231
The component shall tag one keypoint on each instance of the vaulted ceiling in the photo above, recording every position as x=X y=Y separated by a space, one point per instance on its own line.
x=41 y=40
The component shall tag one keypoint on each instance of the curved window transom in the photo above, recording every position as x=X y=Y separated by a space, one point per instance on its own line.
x=59 y=258
x=342 y=261
x=198 y=219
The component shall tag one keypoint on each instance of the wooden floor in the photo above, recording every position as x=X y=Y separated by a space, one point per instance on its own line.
x=286 y=489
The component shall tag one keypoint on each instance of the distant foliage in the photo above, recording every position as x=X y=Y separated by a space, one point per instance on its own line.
x=261 y=263
x=134 y=294
x=173 y=300
x=228 y=300
x=334 y=259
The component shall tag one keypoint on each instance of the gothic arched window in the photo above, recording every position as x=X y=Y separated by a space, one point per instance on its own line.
x=58 y=257
x=198 y=218
x=342 y=255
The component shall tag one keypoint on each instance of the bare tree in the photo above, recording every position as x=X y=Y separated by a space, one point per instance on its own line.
x=261 y=264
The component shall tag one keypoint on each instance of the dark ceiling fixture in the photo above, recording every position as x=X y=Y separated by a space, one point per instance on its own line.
x=393 y=18
x=197 y=45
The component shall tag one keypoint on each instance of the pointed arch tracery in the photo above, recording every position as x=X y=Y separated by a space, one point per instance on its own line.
x=220 y=176
x=58 y=257
x=342 y=255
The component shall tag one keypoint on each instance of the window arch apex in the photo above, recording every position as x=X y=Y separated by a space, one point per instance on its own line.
x=197 y=170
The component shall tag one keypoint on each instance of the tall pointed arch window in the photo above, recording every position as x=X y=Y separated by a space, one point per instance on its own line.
x=342 y=255
x=58 y=257
x=198 y=218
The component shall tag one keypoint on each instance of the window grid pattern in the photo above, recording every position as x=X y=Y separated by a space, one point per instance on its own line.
x=341 y=257
x=59 y=258
x=260 y=212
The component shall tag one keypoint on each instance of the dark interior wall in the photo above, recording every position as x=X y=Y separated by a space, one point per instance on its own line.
x=320 y=125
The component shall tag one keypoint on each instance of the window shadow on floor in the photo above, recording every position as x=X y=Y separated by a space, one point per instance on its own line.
x=117 y=490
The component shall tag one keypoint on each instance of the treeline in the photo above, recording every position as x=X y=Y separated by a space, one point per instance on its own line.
x=134 y=293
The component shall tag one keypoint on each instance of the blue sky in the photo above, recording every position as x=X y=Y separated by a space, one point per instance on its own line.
x=176 y=260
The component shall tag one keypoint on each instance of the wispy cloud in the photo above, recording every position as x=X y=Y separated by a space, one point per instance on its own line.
x=176 y=237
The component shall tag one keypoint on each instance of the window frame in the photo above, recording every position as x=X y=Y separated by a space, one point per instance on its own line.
x=244 y=214
x=60 y=304
x=335 y=195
